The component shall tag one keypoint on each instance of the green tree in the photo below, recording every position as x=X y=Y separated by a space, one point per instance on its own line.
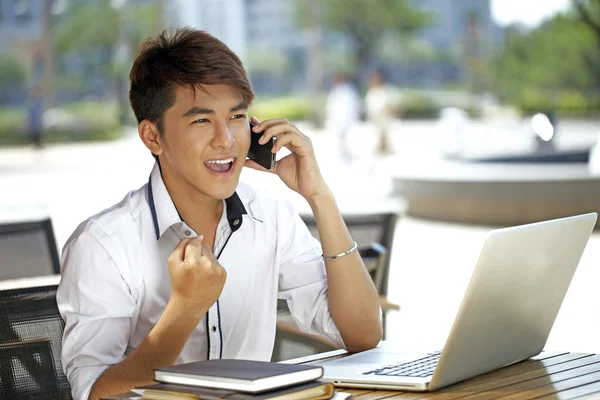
x=408 y=50
x=90 y=30
x=105 y=38
x=589 y=13
x=12 y=74
x=561 y=54
x=264 y=60
x=93 y=30
x=367 y=23
x=551 y=67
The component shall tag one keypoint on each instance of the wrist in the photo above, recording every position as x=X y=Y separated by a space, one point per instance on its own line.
x=180 y=308
x=322 y=199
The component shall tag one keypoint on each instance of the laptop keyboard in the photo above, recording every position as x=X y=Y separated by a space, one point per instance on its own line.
x=420 y=368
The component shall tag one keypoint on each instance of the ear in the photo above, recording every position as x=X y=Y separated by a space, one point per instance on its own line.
x=150 y=136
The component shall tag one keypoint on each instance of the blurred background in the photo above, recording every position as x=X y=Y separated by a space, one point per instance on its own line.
x=459 y=116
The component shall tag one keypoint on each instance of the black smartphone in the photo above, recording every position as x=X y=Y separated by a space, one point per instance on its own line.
x=261 y=153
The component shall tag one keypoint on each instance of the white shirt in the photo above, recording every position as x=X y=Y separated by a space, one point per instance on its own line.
x=343 y=108
x=382 y=103
x=115 y=281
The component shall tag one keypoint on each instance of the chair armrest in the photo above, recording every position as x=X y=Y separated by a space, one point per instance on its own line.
x=373 y=257
x=372 y=250
x=386 y=305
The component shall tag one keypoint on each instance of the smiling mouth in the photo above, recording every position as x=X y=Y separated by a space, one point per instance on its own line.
x=220 y=166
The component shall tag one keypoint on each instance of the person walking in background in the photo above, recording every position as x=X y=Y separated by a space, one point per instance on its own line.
x=35 y=114
x=382 y=106
x=342 y=111
x=36 y=103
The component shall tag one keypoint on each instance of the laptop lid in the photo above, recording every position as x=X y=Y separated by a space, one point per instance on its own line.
x=514 y=296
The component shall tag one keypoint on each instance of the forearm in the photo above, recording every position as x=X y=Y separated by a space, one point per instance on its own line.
x=353 y=299
x=161 y=347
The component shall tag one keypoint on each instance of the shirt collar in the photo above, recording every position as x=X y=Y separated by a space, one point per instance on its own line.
x=165 y=215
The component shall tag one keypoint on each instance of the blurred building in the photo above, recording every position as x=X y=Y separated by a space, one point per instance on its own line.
x=463 y=34
x=20 y=23
x=254 y=28
x=266 y=35
x=21 y=47
x=21 y=27
x=224 y=19
x=262 y=32
x=452 y=19
x=28 y=30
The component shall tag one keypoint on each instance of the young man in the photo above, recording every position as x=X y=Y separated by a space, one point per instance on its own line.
x=190 y=266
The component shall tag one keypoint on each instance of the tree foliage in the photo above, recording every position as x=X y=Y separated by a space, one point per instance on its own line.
x=552 y=67
x=367 y=23
x=13 y=77
x=13 y=74
x=87 y=27
x=95 y=29
x=589 y=13
x=561 y=54
x=265 y=60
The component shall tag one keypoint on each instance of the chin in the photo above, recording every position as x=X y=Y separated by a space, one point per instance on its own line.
x=222 y=192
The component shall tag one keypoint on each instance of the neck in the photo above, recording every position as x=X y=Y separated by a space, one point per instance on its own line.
x=199 y=211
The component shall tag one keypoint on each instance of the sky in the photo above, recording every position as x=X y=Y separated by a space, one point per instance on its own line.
x=528 y=12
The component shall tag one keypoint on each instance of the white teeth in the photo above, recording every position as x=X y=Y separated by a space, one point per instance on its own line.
x=228 y=160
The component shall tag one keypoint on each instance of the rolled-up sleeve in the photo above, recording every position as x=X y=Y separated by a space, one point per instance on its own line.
x=96 y=305
x=303 y=278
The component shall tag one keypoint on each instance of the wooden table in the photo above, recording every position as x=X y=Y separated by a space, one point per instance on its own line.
x=550 y=375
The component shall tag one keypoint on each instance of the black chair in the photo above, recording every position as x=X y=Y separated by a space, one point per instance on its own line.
x=368 y=230
x=29 y=245
x=31 y=330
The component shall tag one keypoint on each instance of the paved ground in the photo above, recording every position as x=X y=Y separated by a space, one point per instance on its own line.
x=432 y=262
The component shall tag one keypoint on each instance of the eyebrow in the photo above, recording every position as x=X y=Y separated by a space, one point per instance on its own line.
x=199 y=110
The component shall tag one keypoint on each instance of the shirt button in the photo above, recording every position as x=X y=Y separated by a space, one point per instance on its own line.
x=187 y=233
x=236 y=222
x=214 y=328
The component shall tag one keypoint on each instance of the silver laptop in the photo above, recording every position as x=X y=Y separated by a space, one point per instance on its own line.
x=514 y=296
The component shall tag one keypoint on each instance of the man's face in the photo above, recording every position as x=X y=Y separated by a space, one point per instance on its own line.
x=206 y=139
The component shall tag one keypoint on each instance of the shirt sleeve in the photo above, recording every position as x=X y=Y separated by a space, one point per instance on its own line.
x=96 y=305
x=303 y=278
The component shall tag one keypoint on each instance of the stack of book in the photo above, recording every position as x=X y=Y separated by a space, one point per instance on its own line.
x=238 y=380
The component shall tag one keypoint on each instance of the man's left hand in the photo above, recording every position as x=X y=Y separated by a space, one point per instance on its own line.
x=298 y=170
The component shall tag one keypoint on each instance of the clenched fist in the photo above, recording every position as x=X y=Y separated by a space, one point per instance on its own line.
x=197 y=278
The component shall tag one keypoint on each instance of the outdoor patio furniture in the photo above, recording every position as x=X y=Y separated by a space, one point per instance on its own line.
x=27 y=248
x=374 y=234
x=31 y=331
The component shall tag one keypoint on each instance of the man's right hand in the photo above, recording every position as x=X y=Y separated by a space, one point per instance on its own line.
x=197 y=278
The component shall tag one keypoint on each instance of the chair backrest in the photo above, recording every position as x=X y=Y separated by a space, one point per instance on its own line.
x=28 y=249
x=31 y=331
x=367 y=229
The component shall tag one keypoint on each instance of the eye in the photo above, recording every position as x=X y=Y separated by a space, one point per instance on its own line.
x=200 y=121
x=238 y=116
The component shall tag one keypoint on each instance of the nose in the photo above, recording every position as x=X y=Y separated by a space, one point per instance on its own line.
x=222 y=137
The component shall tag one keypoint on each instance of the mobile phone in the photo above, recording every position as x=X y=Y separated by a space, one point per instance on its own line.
x=261 y=153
